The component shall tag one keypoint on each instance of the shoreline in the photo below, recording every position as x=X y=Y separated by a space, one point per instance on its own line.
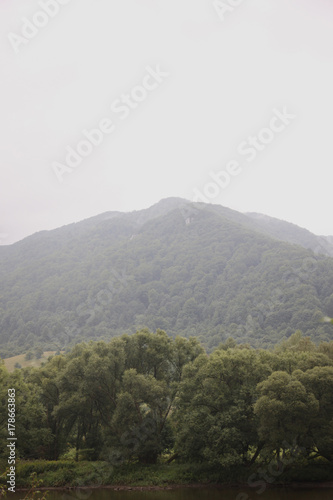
x=292 y=485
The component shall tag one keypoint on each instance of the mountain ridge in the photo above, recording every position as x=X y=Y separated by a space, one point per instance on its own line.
x=271 y=226
x=188 y=268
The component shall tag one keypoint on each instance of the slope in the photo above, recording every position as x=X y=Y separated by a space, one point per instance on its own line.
x=181 y=267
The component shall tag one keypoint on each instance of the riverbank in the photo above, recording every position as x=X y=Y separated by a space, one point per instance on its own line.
x=71 y=475
x=175 y=487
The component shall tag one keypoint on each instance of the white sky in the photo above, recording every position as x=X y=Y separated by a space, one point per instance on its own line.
x=226 y=77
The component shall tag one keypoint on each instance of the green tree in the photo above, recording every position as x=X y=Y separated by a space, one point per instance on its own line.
x=319 y=384
x=33 y=435
x=140 y=417
x=47 y=380
x=284 y=410
x=215 y=421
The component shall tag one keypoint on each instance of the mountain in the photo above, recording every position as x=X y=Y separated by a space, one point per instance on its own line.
x=188 y=268
x=285 y=231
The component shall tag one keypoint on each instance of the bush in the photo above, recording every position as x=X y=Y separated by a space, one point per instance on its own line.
x=25 y=469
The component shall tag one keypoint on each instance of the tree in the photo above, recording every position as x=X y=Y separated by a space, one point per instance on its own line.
x=47 y=380
x=319 y=383
x=31 y=430
x=284 y=410
x=78 y=402
x=140 y=417
x=214 y=418
x=38 y=352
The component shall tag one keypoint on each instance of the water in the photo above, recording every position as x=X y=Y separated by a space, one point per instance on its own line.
x=189 y=494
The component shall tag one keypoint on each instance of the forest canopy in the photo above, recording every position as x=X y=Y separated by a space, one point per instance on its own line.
x=192 y=271
x=145 y=396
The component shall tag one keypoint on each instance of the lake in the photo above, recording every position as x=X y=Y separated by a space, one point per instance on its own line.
x=189 y=494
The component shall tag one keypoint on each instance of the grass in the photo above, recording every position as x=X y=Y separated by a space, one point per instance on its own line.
x=73 y=474
x=11 y=362
x=66 y=473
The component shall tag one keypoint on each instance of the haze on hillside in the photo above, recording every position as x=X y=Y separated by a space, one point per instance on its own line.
x=199 y=269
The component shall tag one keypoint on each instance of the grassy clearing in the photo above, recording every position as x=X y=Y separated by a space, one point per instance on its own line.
x=11 y=362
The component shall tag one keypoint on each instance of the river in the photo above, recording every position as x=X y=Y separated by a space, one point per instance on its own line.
x=189 y=494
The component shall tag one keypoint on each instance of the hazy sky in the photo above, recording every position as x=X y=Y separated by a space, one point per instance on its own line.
x=182 y=93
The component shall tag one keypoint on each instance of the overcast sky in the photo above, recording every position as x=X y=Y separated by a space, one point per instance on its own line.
x=183 y=91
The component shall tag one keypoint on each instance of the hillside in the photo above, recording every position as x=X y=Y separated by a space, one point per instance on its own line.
x=20 y=361
x=190 y=269
x=285 y=231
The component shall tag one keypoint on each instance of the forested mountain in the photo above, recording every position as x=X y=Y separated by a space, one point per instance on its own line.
x=291 y=233
x=190 y=269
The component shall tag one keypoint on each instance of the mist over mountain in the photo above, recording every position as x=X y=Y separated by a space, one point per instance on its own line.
x=192 y=269
x=291 y=233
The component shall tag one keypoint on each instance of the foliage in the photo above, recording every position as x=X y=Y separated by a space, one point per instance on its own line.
x=34 y=490
x=241 y=405
x=147 y=397
x=211 y=275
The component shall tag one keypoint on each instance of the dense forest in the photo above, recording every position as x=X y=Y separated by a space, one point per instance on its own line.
x=147 y=397
x=190 y=269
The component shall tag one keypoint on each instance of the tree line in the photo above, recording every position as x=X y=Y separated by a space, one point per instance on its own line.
x=147 y=397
